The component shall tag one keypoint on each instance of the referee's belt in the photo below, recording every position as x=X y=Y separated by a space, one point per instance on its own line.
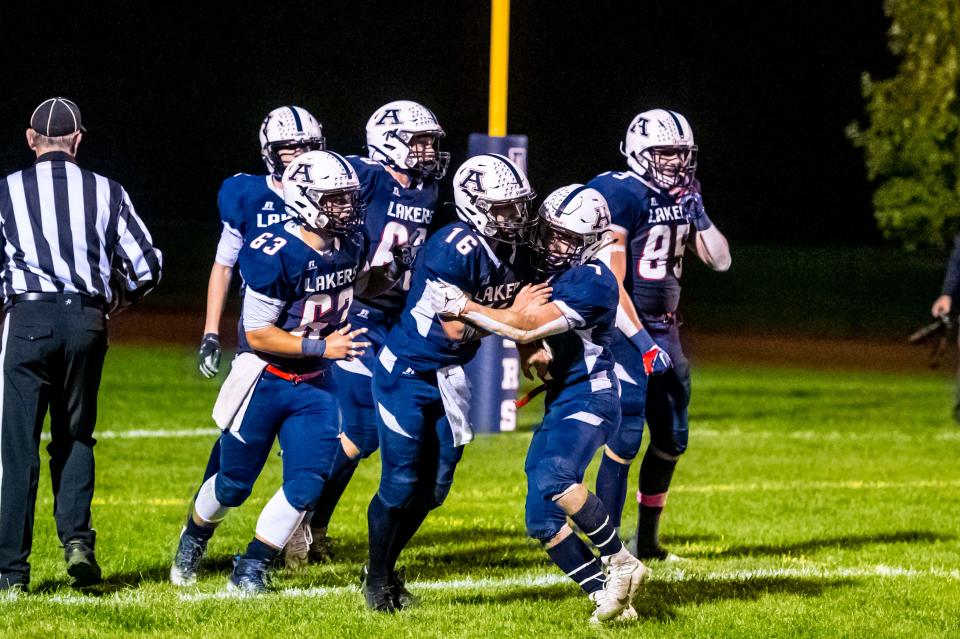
x=85 y=300
x=294 y=378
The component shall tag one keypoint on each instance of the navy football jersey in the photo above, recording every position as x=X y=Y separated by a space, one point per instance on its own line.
x=250 y=202
x=587 y=295
x=316 y=288
x=657 y=234
x=490 y=273
x=396 y=216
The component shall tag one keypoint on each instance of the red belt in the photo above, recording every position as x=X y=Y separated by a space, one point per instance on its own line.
x=293 y=378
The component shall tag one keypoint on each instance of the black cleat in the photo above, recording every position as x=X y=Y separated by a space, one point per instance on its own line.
x=249 y=576
x=379 y=597
x=190 y=551
x=402 y=598
x=82 y=563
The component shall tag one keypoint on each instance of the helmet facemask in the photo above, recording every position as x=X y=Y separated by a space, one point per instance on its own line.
x=558 y=248
x=423 y=153
x=507 y=221
x=670 y=167
x=340 y=212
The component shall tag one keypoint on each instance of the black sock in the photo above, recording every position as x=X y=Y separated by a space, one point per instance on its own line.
x=578 y=562
x=612 y=487
x=381 y=528
x=410 y=522
x=594 y=521
x=199 y=532
x=256 y=549
x=340 y=475
x=656 y=473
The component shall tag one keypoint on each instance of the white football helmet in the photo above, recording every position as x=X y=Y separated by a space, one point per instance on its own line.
x=406 y=136
x=321 y=191
x=572 y=227
x=659 y=146
x=289 y=127
x=493 y=194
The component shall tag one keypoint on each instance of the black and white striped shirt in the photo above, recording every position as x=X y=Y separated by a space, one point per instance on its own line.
x=64 y=229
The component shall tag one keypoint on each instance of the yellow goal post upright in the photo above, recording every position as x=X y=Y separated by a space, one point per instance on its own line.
x=495 y=371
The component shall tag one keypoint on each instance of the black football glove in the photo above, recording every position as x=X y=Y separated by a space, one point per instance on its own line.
x=208 y=359
x=404 y=255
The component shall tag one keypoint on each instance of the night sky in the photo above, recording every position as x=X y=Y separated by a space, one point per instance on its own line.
x=173 y=95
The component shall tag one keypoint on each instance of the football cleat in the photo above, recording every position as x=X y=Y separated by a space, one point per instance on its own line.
x=249 y=576
x=296 y=552
x=190 y=551
x=82 y=563
x=624 y=577
x=321 y=546
x=402 y=598
x=628 y=615
x=379 y=597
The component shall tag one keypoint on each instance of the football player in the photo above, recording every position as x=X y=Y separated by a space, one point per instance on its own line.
x=300 y=277
x=420 y=392
x=582 y=407
x=657 y=211
x=251 y=203
x=399 y=185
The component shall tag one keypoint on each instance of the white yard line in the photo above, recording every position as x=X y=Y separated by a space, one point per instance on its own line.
x=706 y=432
x=157 y=433
x=532 y=580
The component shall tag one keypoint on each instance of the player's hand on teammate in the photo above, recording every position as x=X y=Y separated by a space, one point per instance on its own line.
x=531 y=297
x=445 y=298
x=208 y=359
x=941 y=306
x=341 y=344
x=404 y=255
x=538 y=359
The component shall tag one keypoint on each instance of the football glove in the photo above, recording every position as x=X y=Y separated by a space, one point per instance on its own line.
x=208 y=359
x=403 y=256
x=655 y=359
x=691 y=203
x=445 y=298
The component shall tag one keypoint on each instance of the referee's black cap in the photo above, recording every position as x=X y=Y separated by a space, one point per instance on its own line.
x=55 y=117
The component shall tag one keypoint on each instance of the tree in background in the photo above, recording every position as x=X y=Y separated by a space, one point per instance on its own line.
x=911 y=144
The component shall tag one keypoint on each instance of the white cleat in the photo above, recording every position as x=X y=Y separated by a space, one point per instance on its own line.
x=625 y=574
x=629 y=615
x=296 y=552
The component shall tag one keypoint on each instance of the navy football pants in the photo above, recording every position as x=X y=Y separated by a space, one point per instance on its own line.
x=575 y=424
x=305 y=418
x=662 y=399
x=417 y=455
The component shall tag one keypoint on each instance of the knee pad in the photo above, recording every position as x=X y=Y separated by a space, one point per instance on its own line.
x=396 y=494
x=449 y=457
x=552 y=476
x=542 y=516
x=230 y=492
x=303 y=492
x=625 y=443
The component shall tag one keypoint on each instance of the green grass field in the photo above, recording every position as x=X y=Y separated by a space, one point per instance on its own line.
x=810 y=504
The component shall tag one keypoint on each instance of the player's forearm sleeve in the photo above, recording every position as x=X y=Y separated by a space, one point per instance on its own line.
x=951 y=280
x=716 y=249
x=553 y=327
x=229 y=246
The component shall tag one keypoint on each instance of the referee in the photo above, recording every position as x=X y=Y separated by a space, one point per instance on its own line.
x=72 y=249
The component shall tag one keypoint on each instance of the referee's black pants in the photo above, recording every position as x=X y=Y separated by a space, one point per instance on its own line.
x=52 y=356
